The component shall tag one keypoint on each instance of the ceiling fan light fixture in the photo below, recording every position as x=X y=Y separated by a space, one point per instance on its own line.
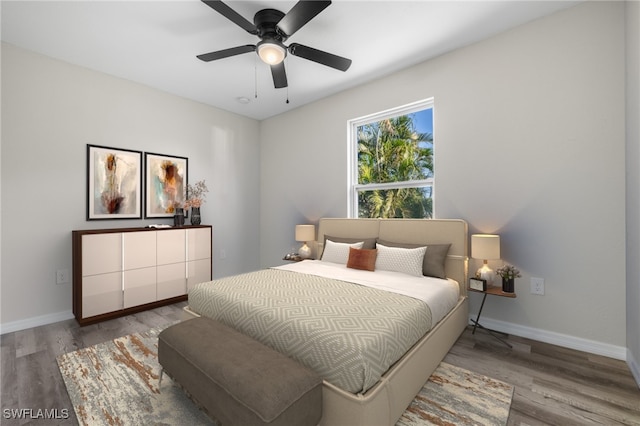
x=271 y=52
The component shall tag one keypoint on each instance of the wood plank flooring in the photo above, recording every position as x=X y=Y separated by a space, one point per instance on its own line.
x=553 y=385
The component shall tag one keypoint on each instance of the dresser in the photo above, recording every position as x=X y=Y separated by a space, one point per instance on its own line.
x=118 y=272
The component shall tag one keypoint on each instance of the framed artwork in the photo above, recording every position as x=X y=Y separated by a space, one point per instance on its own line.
x=165 y=184
x=114 y=183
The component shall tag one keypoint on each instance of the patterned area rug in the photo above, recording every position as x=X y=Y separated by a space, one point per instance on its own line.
x=455 y=396
x=117 y=383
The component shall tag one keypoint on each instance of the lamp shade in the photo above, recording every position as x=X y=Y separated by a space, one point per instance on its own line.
x=305 y=232
x=485 y=246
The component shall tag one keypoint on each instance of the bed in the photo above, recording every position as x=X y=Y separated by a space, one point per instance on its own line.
x=374 y=348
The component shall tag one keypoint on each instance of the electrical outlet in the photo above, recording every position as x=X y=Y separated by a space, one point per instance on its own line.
x=223 y=254
x=62 y=276
x=537 y=286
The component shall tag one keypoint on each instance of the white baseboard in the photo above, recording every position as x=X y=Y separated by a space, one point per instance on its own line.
x=35 y=322
x=633 y=366
x=564 y=340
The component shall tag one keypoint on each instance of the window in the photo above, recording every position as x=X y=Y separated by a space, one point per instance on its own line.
x=391 y=163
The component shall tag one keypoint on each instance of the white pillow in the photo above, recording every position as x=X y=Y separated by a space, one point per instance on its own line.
x=405 y=260
x=338 y=252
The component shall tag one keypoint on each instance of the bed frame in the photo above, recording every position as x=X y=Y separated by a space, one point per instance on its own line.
x=384 y=403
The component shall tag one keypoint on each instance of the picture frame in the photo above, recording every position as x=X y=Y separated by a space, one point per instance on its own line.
x=166 y=179
x=477 y=284
x=114 y=183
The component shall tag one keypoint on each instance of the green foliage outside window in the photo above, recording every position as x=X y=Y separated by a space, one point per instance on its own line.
x=391 y=150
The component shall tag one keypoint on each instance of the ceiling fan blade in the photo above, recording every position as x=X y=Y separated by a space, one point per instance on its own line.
x=231 y=15
x=319 y=56
x=219 y=54
x=301 y=13
x=279 y=75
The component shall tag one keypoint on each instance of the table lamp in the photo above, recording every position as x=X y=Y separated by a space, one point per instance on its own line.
x=305 y=233
x=485 y=247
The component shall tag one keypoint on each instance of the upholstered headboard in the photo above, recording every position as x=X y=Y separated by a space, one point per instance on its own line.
x=410 y=231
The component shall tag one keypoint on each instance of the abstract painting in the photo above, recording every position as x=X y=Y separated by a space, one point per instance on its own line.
x=114 y=183
x=166 y=183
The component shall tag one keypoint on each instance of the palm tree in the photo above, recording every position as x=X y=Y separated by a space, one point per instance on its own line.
x=391 y=150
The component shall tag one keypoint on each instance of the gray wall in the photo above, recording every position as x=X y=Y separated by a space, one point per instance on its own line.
x=529 y=143
x=50 y=111
x=632 y=14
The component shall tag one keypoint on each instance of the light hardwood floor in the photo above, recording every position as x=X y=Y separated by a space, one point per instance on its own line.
x=553 y=385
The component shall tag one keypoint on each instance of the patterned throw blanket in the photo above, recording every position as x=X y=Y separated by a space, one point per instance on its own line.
x=349 y=334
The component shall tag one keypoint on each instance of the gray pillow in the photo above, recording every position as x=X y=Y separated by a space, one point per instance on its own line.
x=434 y=258
x=369 y=243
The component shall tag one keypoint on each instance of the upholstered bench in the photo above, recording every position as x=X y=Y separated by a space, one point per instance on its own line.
x=236 y=379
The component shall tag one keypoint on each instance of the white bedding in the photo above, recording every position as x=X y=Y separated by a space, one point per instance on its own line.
x=441 y=295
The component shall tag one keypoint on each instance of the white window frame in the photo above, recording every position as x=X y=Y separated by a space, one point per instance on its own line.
x=352 y=156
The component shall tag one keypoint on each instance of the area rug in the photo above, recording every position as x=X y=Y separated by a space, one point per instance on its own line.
x=455 y=396
x=118 y=383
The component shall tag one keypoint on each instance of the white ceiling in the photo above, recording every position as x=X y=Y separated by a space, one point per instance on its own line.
x=156 y=42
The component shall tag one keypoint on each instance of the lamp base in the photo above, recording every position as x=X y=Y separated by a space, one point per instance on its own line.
x=487 y=274
x=305 y=251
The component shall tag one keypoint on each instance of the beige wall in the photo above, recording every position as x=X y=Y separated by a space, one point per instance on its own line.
x=529 y=143
x=50 y=111
x=632 y=13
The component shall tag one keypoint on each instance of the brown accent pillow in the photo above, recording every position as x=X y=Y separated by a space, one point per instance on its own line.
x=362 y=259
x=434 y=258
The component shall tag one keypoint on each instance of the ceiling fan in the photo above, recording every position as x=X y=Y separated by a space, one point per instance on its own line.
x=274 y=28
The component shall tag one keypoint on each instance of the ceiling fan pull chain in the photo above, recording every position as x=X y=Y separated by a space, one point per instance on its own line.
x=287 y=84
x=255 y=77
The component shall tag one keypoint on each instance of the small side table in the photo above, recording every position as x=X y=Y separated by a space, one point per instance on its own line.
x=494 y=291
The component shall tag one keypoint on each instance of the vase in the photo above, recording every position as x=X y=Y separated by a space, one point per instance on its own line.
x=195 y=216
x=508 y=285
x=178 y=217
